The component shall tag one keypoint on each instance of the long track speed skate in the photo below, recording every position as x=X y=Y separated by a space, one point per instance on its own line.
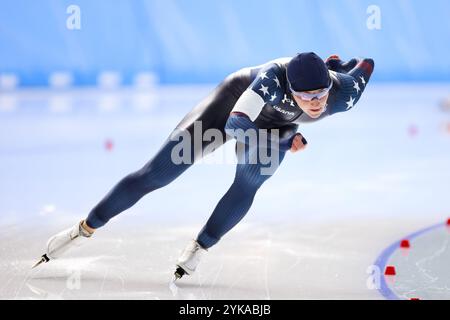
x=189 y=259
x=63 y=241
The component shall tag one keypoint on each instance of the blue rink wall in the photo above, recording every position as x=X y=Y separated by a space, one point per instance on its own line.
x=174 y=41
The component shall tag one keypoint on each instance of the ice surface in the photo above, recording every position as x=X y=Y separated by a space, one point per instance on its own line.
x=368 y=177
x=423 y=270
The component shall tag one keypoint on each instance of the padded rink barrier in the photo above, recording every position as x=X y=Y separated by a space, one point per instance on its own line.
x=417 y=267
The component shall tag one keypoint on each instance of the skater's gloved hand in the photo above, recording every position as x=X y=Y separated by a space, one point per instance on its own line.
x=335 y=63
x=298 y=143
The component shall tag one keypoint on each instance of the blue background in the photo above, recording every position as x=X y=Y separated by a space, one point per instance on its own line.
x=203 y=40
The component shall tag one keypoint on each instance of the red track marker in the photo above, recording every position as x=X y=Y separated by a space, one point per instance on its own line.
x=405 y=244
x=390 y=271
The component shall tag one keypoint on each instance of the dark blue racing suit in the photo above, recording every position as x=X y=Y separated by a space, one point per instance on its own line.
x=250 y=99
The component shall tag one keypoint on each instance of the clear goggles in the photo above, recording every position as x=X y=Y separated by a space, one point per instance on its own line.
x=311 y=96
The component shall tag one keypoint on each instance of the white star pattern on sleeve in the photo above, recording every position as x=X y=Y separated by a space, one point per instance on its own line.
x=356 y=86
x=263 y=75
x=272 y=98
x=363 y=80
x=264 y=89
x=277 y=82
x=350 y=103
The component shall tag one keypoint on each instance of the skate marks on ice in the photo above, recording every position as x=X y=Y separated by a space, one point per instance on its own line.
x=421 y=268
x=136 y=265
x=99 y=270
x=260 y=261
x=69 y=278
x=66 y=278
x=226 y=272
x=254 y=261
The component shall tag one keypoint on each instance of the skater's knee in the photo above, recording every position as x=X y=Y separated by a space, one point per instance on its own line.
x=155 y=181
x=249 y=182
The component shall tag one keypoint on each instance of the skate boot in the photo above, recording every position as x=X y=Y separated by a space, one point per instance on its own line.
x=189 y=259
x=63 y=241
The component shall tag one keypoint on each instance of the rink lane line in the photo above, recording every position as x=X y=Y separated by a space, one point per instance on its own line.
x=384 y=257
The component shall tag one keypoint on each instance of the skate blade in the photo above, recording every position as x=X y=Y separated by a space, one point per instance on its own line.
x=44 y=259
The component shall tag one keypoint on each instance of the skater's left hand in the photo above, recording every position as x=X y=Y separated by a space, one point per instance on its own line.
x=298 y=143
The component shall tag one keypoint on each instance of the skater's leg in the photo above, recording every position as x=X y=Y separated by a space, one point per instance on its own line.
x=236 y=202
x=157 y=173
x=212 y=112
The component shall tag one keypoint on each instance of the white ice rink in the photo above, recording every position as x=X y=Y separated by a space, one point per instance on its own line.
x=368 y=178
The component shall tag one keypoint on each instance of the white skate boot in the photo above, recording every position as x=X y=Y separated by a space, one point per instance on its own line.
x=189 y=259
x=63 y=241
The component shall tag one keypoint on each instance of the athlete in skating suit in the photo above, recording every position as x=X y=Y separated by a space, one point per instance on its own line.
x=281 y=94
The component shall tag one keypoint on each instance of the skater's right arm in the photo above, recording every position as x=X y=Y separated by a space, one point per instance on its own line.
x=240 y=127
